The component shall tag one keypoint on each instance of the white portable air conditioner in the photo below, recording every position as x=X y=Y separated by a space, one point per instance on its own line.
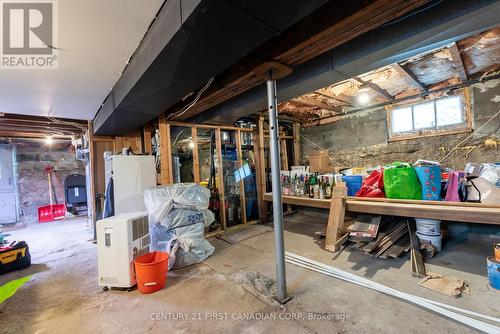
x=120 y=239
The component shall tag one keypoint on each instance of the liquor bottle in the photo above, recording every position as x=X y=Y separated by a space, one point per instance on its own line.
x=311 y=186
x=300 y=186
x=322 y=188
x=289 y=183
x=316 y=186
x=306 y=186
x=295 y=185
x=328 y=189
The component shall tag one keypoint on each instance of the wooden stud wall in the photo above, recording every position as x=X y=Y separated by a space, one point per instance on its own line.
x=166 y=161
x=147 y=133
x=220 y=178
x=165 y=152
x=196 y=160
x=242 y=182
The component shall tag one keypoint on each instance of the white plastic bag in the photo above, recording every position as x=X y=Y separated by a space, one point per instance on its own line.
x=488 y=192
x=491 y=173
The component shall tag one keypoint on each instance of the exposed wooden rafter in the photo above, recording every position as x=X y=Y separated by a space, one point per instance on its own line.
x=340 y=98
x=403 y=71
x=377 y=89
x=459 y=64
x=12 y=125
x=315 y=103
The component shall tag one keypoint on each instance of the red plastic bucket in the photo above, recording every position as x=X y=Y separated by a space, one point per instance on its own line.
x=151 y=271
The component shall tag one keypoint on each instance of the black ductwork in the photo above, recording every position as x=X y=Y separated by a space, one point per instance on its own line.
x=189 y=42
x=440 y=24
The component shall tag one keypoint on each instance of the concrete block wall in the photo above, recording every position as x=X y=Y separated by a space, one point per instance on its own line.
x=32 y=159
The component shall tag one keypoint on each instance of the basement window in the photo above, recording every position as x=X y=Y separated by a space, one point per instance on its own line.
x=431 y=118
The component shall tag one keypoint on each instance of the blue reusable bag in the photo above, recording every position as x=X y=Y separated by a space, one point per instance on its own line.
x=430 y=179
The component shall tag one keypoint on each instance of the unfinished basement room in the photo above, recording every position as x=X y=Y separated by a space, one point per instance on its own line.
x=229 y=166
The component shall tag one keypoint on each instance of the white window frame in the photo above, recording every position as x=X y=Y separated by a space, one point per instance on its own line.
x=463 y=127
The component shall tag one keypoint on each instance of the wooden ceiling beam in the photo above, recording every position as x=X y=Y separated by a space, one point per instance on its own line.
x=404 y=72
x=44 y=132
x=47 y=127
x=377 y=89
x=459 y=64
x=340 y=98
x=27 y=134
x=31 y=119
x=314 y=103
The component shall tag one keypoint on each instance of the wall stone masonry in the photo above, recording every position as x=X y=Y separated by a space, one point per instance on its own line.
x=361 y=139
x=32 y=158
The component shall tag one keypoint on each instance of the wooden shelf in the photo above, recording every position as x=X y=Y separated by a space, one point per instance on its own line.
x=460 y=212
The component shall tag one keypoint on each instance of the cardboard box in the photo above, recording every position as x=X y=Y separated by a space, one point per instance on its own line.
x=319 y=162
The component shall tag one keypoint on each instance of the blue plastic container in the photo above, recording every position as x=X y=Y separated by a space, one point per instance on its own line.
x=493 y=272
x=353 y=183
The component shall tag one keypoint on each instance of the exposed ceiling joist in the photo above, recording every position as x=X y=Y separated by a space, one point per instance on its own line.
x=315 y=103
x=48 y=129
x=14 y=133
x=38 y=119
x=39 y=126
x=340 y=98
x=329 y=119
x=377 y=89
x=459 y=64
x=403 y=71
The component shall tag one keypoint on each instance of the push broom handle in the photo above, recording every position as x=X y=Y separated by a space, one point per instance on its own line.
x=50 y=189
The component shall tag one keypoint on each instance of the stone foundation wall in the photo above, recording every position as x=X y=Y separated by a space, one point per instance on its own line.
x=361 y=139
x=33 y=158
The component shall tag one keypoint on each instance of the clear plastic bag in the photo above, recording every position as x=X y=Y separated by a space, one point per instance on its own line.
x=178 y=215
x=185 y=244
x=161 y=200
x=184 y=217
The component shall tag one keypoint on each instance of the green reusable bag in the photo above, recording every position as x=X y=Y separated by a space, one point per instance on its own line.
x=400 y=181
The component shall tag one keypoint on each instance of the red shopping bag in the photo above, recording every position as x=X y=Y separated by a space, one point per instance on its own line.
x=373 y=185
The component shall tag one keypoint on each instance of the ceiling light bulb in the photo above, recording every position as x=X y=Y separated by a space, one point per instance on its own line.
x=191 y=145
x=363 y=98
x=49 y=140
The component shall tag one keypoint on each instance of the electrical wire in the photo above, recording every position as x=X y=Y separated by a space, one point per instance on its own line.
x=190 y=105
x=468 y=137
x=177 y=138
x=61 y=122
x=320 y=148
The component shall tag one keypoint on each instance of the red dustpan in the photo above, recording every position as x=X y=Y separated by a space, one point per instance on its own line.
x=49 y=213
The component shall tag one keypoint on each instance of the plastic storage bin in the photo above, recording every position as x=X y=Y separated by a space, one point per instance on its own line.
x=353 y=183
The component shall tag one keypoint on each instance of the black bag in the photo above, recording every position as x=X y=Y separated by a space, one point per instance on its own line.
x=15 y=258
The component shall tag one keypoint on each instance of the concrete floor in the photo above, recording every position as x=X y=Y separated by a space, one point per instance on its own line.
x=63 y=295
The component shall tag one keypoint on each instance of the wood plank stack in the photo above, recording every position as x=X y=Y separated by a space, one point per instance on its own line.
x=395 y=237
